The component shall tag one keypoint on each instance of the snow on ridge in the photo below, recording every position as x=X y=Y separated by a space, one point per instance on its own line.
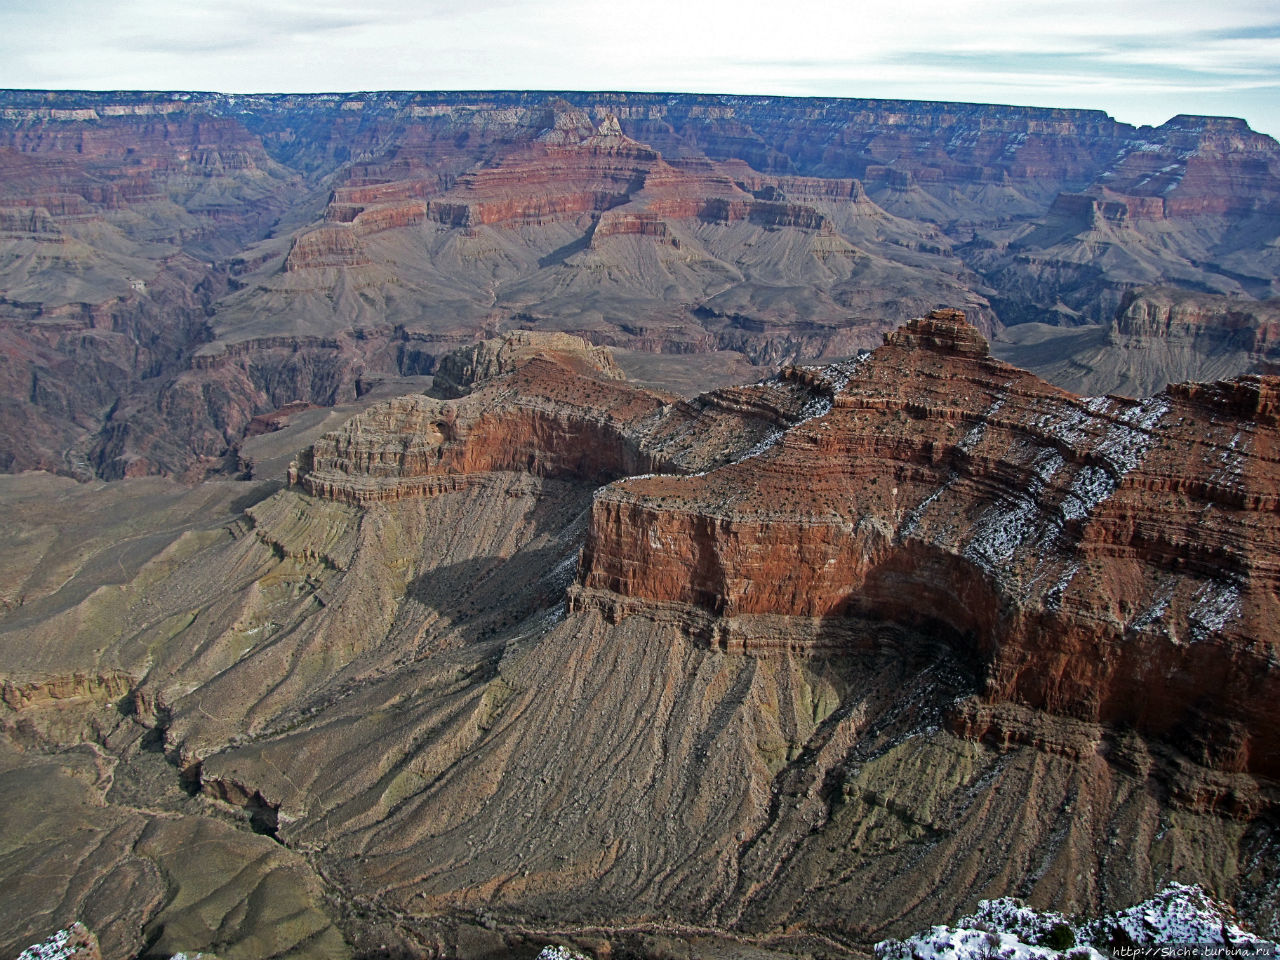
x=1117 y=434
x=913 y=517
x=813 y=408
x=837 y=375
x=1122 y=445
x=1091 y=486
x=67 y=944
x=1217 y=603
x=1159 y=607
x=1016 y=519
x=1007 y=929
x=56 y=947
x=1179 y=913
x=971 y=943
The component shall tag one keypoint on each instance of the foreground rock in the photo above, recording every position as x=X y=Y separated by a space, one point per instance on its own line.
x=1178 y=916
x=74 y=943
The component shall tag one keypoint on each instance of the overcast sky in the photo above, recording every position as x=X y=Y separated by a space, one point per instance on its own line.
x=1142 y=61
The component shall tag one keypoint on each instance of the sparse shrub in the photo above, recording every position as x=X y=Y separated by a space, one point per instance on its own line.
x=1117 y=936
x=1060 y=936
x=990 y=947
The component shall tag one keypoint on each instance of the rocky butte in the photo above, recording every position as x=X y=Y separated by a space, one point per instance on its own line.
x=1101 y=558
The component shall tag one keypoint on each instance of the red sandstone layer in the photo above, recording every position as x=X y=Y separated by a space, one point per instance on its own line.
x=545 y=404
x=1107 y=559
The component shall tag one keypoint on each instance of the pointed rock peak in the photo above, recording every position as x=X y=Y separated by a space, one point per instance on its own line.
x=945 y=331
x=609 y=127
x=563 y=124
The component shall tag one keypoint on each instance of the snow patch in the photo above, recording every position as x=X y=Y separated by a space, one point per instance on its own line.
x=1159 y=607
x=912 y=519
x=63 y=945
x=1217 y=603
x=1007 y=929
x=1119 y=435
x=561 y=953
x=1015 y=519
x=1179 y=913
x=979 y=430
x=1091 y=486
x=1053 y=598
x=815 y=407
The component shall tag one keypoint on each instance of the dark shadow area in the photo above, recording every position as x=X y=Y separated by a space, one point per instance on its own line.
x=481 y=597
x=485 y=596
x=264 y=817
x=260 y=491
x=561 y=254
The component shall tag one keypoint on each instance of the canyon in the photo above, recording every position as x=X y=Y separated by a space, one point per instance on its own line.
x=658 y=525
x=551 y=657
x=174 y=265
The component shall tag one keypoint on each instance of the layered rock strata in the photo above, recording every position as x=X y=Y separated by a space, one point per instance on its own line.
x=460 y=370
x=557 y=409
x=1172 y=314
x=1100 y=557
x=398 y=225
x=1106 y=559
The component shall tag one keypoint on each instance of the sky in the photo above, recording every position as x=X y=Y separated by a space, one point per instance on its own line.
x=1142 y=61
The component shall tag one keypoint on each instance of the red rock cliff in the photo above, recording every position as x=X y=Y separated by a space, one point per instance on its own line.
x=1106 y=559
x=544 y=404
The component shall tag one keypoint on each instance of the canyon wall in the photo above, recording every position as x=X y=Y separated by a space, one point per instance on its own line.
x=384 y=229
x=1102 y=557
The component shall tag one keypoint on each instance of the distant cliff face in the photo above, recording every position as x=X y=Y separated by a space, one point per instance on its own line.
x=1174 y=315
x=323 y=242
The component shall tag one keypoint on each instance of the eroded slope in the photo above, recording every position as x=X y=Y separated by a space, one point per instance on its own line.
x=472 y=736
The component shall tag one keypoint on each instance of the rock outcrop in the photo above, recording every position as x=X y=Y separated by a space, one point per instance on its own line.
x=1195 y=167
x=461 y=370
x=1101 y=557
x=546 y=405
